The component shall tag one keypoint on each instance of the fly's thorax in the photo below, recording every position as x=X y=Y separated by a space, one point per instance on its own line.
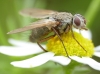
x=64 y=19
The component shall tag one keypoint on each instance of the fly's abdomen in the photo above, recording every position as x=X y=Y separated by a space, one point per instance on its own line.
x=38 y=33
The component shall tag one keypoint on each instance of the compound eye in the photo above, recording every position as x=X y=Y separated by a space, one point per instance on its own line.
x=77 y=21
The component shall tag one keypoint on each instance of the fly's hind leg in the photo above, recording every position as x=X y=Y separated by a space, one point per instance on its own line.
x=43 y=40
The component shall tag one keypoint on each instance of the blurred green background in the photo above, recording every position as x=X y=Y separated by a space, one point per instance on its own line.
x=10 y=19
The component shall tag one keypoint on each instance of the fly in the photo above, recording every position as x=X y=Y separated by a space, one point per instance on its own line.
x=51 y=21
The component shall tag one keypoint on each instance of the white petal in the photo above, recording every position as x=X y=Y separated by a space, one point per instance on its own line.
x=85 y=33
x=61 y=59
x=92 y=63
x=97 y=54
x=22 y=43
x=20 y=51
x=35 y=61
x=97 y=48
x=89 y=61
x=78 y=59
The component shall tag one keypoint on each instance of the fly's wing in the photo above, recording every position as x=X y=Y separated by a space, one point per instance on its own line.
x=44 y=22
x=37 y=13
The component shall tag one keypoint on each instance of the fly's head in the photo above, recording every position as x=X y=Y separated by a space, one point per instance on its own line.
x=79 y=22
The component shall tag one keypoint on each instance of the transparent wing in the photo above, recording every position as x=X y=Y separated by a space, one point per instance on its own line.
x=45 y=22
x=37 y=13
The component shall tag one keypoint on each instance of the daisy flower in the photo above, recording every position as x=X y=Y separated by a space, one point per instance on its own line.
x=81 y=53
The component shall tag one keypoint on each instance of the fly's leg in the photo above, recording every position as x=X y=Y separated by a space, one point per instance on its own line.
x=43 y=40
x=60 y=40
x=77 y=41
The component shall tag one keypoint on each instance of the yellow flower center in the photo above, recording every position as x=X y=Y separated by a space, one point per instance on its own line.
x=72 y=47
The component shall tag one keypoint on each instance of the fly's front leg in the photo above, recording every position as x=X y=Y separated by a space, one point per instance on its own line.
x=43 y=40
x=57 y=33
x=76 y=40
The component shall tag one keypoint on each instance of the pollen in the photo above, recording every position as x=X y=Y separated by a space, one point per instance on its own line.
x=84 y=48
